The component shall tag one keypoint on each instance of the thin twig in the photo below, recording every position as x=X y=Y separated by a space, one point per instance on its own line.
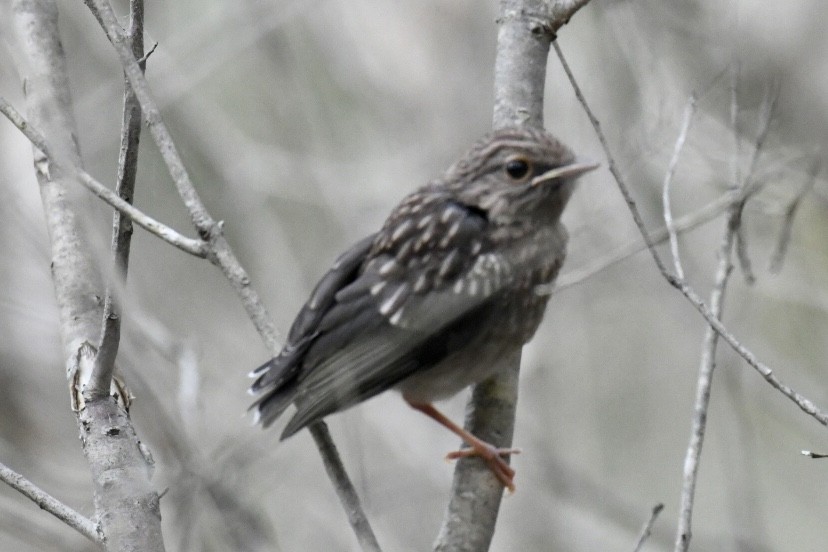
x=188 y=245
x=683 y=224
x=704 y=384
x=803 y=403
x=101 y=377
x=647 y=529
x=345 y=489
x=766 y=117
x=778 y=257
x=47 y=502
x=689 y=111
x=613 y=167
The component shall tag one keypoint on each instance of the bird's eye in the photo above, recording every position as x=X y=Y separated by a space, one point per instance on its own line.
x=517 y=168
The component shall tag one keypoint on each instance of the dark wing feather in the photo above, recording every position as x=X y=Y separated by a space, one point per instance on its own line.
x=276 y=379
x=380 y=330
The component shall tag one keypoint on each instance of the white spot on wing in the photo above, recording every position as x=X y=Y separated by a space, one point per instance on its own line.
x=392 y=302
x=396 y=317
x=423 y=222
x=387 y=267
x=401 y=229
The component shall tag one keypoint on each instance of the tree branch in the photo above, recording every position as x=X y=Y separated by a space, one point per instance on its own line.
x=128 y=510
x=49 y=162
x=647 y=529
x=50 y=504
x=101 y=379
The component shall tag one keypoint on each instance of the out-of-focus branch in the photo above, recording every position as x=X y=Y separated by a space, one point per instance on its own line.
x=49 y=162
x=647 y=529
x=526 y=28
x=128 y=511
x=778 y=256
x=683 y=224
x=47 y=502
x=219 y=251
x=101 y=378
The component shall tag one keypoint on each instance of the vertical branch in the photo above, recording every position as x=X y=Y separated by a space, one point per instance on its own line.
x=128 y=511
x=704 y=383
x=100 y=381
x=526 y=28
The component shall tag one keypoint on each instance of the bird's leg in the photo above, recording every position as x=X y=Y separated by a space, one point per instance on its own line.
x=488 y=452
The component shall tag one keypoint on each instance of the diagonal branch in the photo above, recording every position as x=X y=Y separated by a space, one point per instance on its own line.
x=50 y=163
x=47 y=502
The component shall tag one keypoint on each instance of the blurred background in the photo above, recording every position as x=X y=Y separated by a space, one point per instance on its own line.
x=302 y=124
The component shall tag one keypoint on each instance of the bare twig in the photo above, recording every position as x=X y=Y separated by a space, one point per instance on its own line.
x=647 y=529
x=803 y=403
x=613 y=167
x=689 y=111
x=766 y=117
x=703 y=386
x=101 y=378
x=683 y=224
x=778 y=257
x=336 y=472
x=47 y=502
x=50 y=164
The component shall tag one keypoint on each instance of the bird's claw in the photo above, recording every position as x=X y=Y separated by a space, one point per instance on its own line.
x=493 y=457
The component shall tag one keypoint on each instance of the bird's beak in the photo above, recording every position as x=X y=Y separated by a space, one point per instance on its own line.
x=576 y=168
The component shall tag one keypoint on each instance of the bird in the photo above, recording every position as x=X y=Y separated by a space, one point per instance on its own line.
x=432 y=302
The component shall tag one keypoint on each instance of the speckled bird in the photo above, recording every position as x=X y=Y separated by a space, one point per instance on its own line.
x=433 y=301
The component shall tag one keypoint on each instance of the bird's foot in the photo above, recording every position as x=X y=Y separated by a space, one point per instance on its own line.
x=493 y=457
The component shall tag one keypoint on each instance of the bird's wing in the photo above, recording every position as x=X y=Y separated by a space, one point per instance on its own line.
x=275 y=381
x=402 y=313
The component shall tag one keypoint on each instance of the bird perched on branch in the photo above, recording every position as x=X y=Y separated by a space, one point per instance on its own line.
x=432 y=302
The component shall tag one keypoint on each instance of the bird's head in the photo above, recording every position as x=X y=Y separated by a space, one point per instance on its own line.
x=517 y=172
